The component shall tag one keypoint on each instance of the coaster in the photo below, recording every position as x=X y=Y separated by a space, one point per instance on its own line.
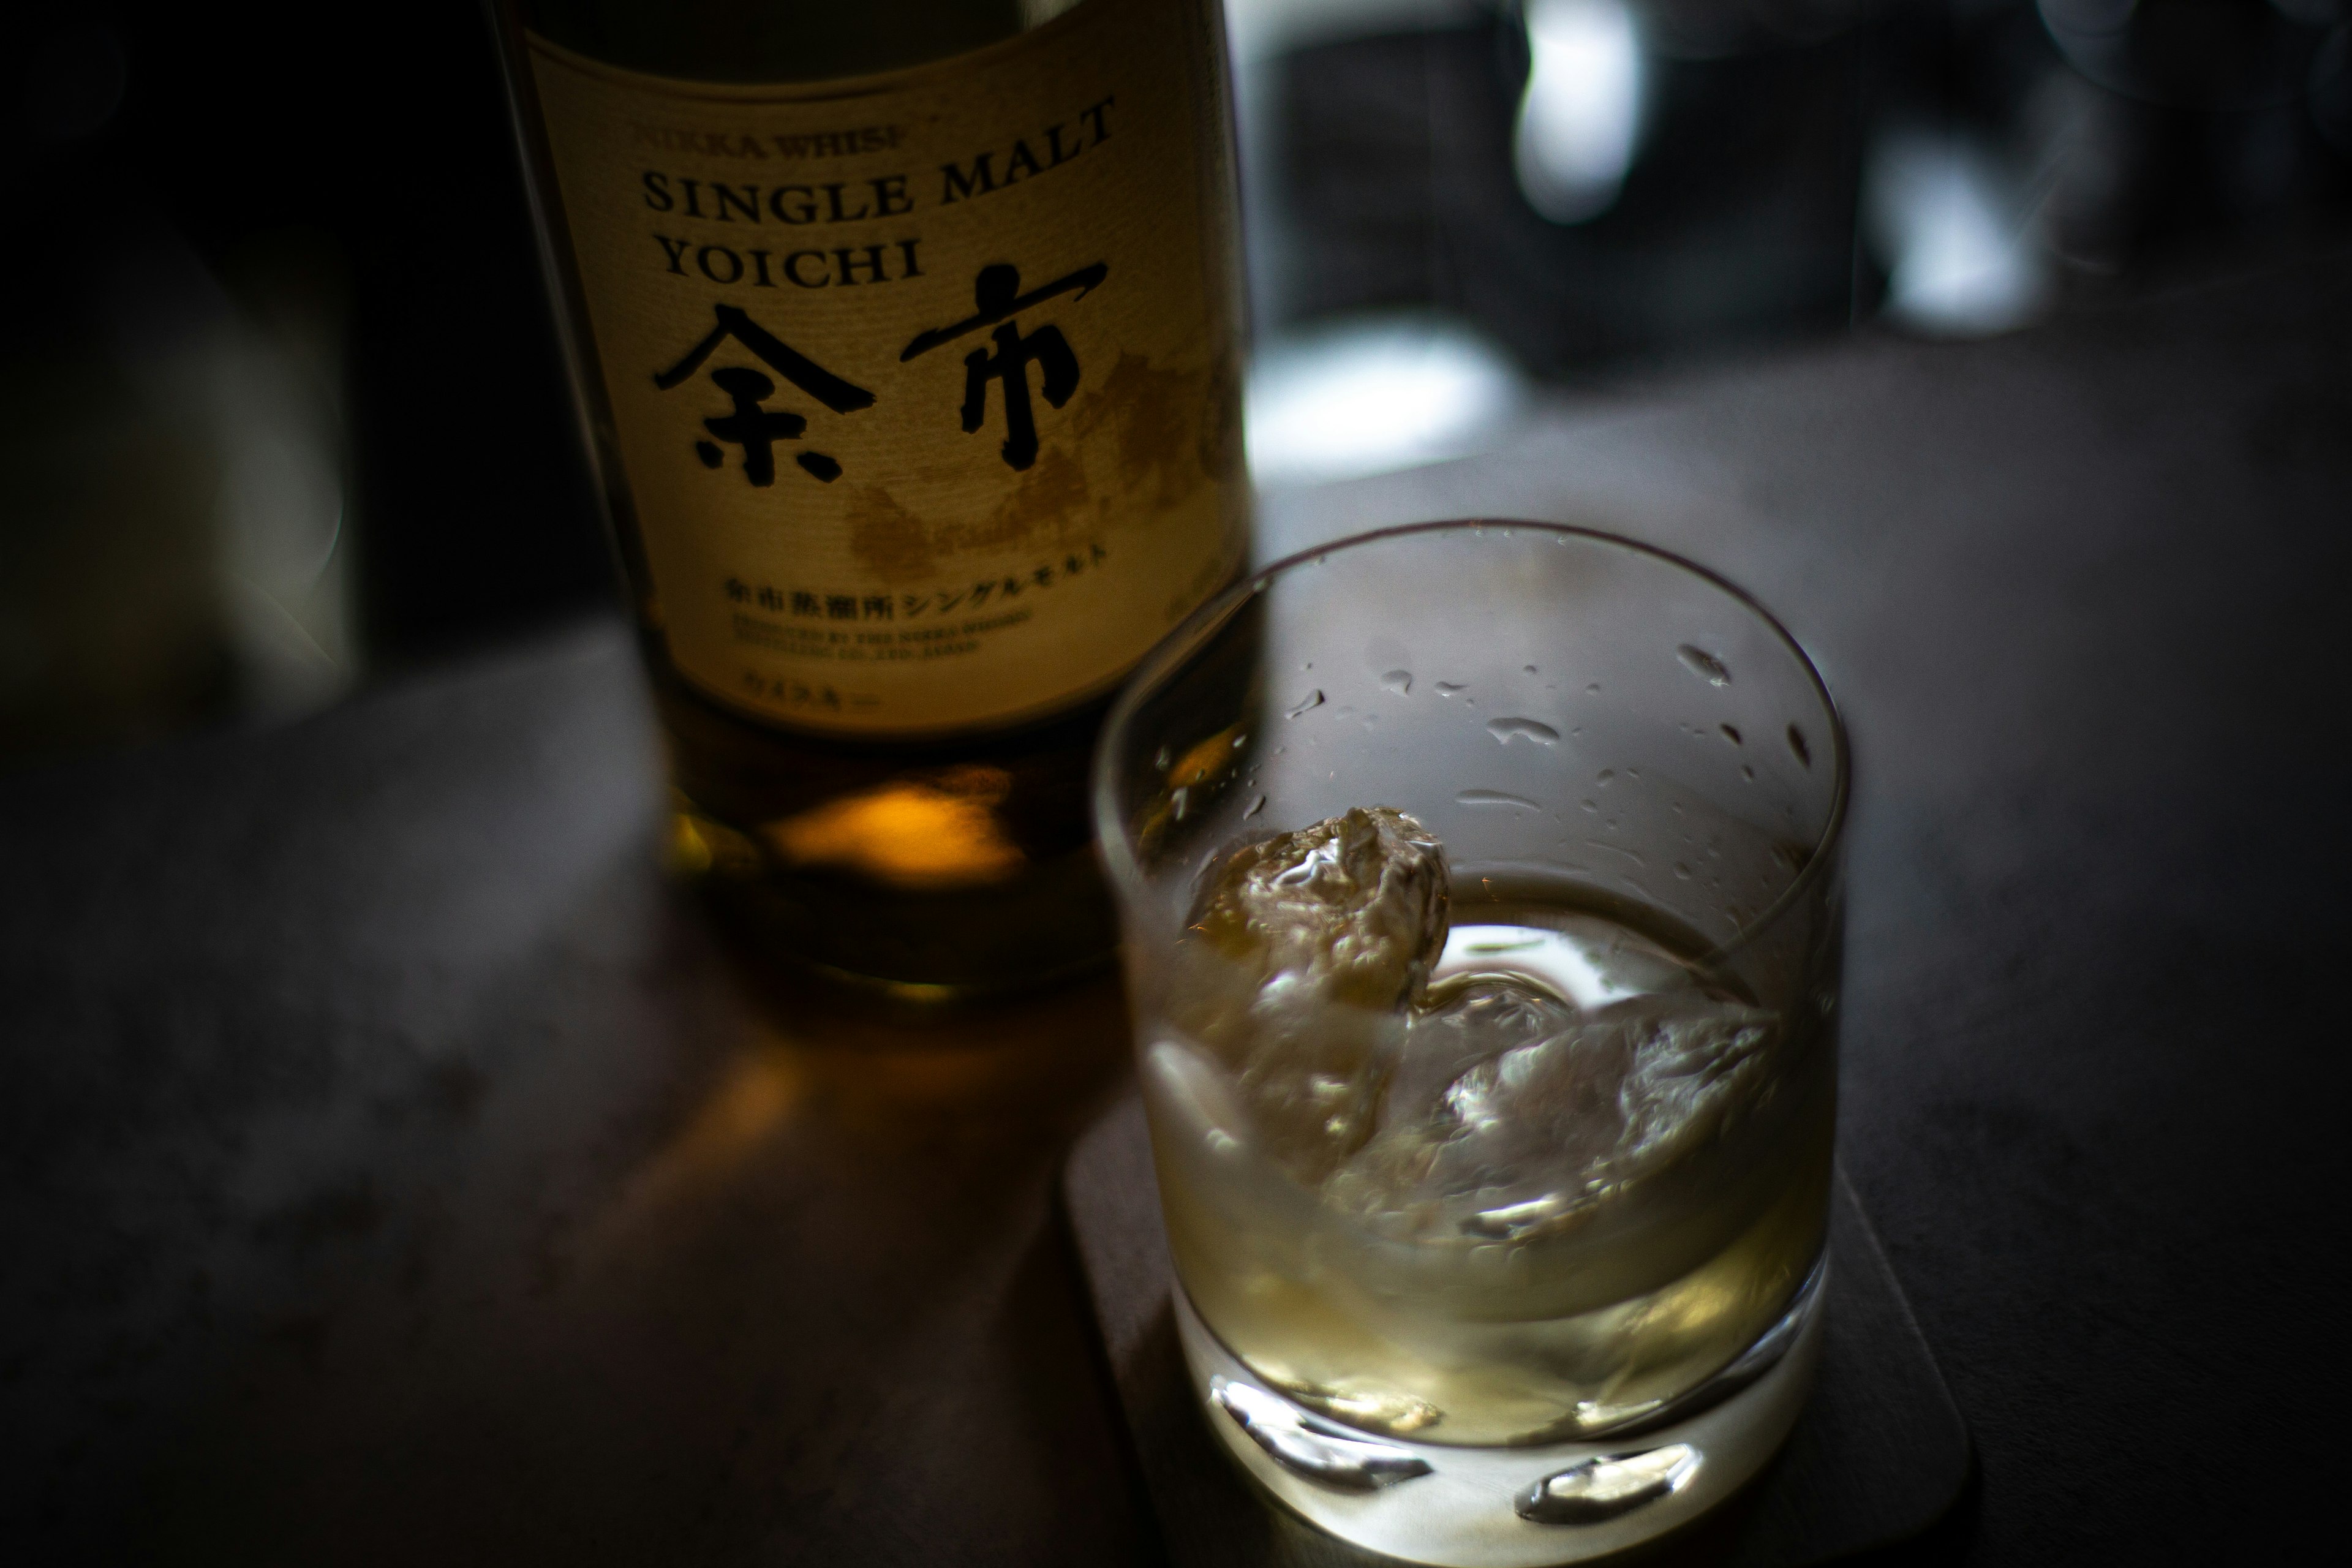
x=1879 y=1455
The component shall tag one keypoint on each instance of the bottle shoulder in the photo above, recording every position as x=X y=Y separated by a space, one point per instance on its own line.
x=780 y=40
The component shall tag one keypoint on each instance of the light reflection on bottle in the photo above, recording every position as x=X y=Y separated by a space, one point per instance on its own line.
x=935 y=833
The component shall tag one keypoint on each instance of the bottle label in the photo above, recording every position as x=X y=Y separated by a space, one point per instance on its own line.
x=924 y=386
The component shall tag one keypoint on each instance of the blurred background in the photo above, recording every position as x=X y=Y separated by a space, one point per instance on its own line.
x=281 y=409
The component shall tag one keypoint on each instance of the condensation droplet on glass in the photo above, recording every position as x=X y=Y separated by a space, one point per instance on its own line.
x=1797 y=745
x=1312 y=701
x=1162 y=758
x=1590 y=804
x=1255 y=806
x=1605 y=777
x=1681 y=871
x=1593 y=689
x=1527 y=670
x=1494 y=798
x=1704 y=665
x=1450 y=687
x=1747 y=772
x=1731 y=733
x=1505 y=731
x=1399 y=681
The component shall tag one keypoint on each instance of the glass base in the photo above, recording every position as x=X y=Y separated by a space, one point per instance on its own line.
x=1522 y=1506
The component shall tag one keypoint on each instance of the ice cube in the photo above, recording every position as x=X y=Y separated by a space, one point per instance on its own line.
x=1466 y=1019
x=1353 y=906
x=1694 y=1072
x=1465 y=1022
x=1533 y=1140
x=1301 y=956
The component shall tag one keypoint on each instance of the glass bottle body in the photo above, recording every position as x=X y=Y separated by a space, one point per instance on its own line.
x=880 y=689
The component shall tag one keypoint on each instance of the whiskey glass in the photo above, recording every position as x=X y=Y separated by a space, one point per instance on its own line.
x=1513 y=1252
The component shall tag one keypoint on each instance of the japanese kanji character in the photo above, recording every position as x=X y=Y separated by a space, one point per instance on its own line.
x=749 y=425
x=997 y=297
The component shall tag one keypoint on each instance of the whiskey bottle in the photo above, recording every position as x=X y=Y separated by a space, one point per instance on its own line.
x=906 y=336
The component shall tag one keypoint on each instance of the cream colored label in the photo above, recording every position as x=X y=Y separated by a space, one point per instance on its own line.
x=924 y=385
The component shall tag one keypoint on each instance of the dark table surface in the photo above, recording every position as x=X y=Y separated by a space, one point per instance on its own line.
x=396 y=1170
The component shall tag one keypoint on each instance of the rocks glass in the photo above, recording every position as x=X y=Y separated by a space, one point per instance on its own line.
x=1480 y=885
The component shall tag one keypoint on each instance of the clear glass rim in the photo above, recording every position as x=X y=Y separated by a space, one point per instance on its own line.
x=1172 y=651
